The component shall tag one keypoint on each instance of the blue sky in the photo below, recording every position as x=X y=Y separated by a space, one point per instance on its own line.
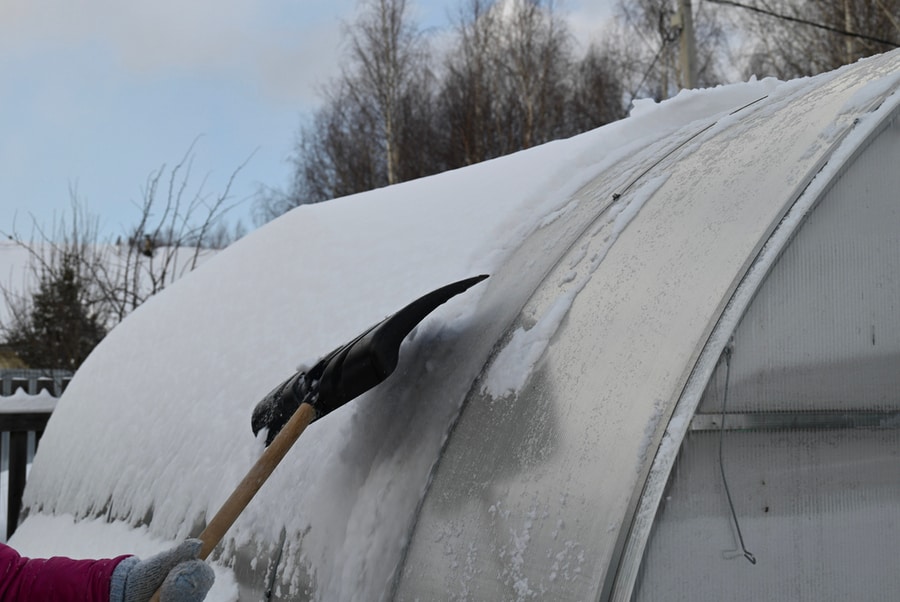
x=97 y=94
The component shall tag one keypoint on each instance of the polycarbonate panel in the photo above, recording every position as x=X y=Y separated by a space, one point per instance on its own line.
x=819 y=345
x=515 y=510
x=824 y=329
x=523 y=505
x=536 y=489
x=819 y=510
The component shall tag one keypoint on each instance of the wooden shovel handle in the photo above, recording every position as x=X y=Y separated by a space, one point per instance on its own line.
x=216 y=528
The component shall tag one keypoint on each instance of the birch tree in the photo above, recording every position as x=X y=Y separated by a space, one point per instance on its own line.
x=795 y=38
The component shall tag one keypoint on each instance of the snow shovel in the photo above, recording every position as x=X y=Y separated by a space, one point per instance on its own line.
x=340 y=376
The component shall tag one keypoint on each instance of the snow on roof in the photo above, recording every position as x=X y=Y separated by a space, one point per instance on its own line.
x=154 y=430
x=21 y=402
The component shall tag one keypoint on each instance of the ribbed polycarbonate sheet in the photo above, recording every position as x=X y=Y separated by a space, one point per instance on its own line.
x=794 y=457
x=823 y=331
x=817 y=509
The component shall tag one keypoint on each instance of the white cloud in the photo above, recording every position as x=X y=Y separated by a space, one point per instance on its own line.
x=588 y=19
x=285 y=48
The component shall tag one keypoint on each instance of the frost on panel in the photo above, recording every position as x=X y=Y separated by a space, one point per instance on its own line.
x=804 y=473
x=511 y=368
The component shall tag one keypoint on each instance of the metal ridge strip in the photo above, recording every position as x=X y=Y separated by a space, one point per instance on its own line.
x=818 y=419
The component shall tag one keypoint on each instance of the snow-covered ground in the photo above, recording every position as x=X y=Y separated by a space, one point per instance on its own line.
x=153 y=432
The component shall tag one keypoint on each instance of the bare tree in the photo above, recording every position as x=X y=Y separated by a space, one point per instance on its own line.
x=273 y=201
x=387 y=52
x=420 y=130
x=339 y=153
x=372 y=129
x=794 y=38
x=647 y=44
x=80 y=286
x=512 y=81
x=175 y=222
x=56 y=328
x=597 y=94
x=508 y=82
x=470 y=96
x=222 y=235
x=58 y=316
x=536 y=45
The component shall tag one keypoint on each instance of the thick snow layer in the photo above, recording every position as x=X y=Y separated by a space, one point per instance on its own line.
x=153 y=432
x=23 y=402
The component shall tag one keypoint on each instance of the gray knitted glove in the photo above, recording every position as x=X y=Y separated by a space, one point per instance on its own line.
x=177 y=573
x=187 y=582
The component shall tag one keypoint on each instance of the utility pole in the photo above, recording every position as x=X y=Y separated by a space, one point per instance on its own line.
x=688 y=54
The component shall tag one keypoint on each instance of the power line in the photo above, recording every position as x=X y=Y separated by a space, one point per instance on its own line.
x=662 y=48
x=806 y=22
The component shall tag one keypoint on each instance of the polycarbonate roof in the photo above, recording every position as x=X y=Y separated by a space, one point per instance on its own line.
x=536 y=491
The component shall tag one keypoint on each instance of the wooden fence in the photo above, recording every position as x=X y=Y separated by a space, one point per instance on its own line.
x=20 y=433
x=23 y=419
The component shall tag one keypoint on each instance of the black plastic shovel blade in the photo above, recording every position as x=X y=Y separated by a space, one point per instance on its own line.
x=351 y=369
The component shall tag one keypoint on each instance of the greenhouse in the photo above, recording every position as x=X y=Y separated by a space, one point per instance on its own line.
x=681 y=380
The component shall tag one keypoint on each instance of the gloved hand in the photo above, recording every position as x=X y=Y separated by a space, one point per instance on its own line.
x=177 y=573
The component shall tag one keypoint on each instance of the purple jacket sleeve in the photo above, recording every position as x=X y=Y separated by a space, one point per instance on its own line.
x=54 y=579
